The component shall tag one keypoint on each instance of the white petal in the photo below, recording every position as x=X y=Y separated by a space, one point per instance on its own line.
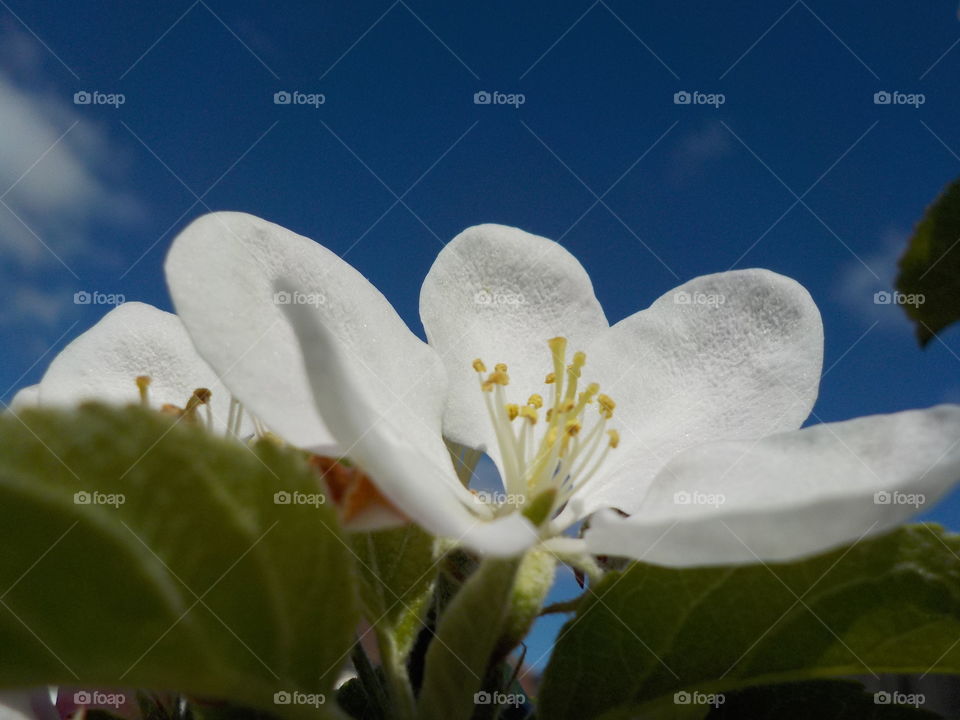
x=26 y=397
x=499 y=293
x=740 y=360
x=221 y=272
x=381 y=434
x=27 y=705
x=133 y=339
x=791 y=494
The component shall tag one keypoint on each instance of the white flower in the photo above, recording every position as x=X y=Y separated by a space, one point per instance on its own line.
x=132 y=341
x=711 y=385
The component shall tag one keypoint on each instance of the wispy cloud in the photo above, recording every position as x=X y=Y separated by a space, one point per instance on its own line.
x=697 y=150
x=63 y=181
x=857 y=288
x=54 y=177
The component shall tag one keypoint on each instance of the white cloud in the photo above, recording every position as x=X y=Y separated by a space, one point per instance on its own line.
x=698 y=150
x=859 y=282
x=63 y=181
x=58 y=168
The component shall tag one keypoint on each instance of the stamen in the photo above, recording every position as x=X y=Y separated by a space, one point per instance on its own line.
x=568 y=452
x=201 y=396
x=606 y=405
x=143 y=385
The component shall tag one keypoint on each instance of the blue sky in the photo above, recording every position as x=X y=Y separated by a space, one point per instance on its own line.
x=798 y=170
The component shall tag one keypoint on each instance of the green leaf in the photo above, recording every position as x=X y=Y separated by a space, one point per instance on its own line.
x=886 y=605
x=180 y=573
x=460 y=655
x=396 y=569
x=931 y=266
x=823 y=699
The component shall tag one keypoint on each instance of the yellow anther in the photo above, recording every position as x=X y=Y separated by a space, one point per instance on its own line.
x=591 y=391
x=500 y=367
x=567 y=407
x=579 y=359
x=201 y=396
x=550 y=378
x=513 y=410
x=170 y=409
x=572 y=428
x=529 y=413
x=497 y=377
x=607 y=405
x=143 y=382
x=558 y=346
x=614 y=438
x=535 y=401
x=479 y=366
x=549 y=414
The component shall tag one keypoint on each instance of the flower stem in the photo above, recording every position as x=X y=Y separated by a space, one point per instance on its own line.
x=394 y=667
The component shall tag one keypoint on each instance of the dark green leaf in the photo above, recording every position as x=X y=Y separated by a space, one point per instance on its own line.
x=197 y=581
x=397 y=569
x=930 y=268
x=887 y=605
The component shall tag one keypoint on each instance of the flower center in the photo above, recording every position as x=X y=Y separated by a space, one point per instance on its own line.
x=560 y=454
